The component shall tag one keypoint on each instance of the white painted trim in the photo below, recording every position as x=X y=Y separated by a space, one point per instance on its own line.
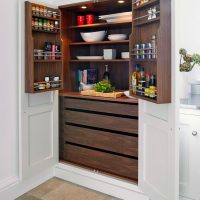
x=8 y=182
x=18 y=188
x=99 y=182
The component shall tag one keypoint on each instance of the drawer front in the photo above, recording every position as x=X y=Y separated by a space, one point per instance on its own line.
x=114 y=164
x=102 y=121
x=122 y=144
x=99 y=106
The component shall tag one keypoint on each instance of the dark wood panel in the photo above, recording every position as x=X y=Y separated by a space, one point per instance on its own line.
x=113 y=164
x=122 y=144
x=102 y=121
x=107 y=107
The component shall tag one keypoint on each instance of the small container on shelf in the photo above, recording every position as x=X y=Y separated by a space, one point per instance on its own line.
x=89 y=19
x=80 y=20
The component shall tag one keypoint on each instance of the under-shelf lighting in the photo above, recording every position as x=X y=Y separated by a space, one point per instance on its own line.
x=121 y=1
x=84 y=7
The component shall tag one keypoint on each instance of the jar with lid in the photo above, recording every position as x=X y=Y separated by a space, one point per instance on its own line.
x=36 y=24
x=40 y=24
x=33 y=9
x=37 y=10
x=51 y=26
x=56 y=26
x=48 y=25
x=41 y=10
x=45 y=11
x=54 y=14
x=45 y=24
x=49 y=13
x=40 y=54
x=33 y=22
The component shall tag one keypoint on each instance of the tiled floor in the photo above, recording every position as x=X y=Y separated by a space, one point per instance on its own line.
x=57 y=189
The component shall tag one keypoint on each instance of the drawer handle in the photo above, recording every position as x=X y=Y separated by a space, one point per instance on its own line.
x=194 y=133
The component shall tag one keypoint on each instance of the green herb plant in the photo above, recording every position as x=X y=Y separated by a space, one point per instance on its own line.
x=189 y=60
x=104 y=86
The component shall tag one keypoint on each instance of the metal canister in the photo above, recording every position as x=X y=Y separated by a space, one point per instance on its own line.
x=136 y=51
x=142 y=51
x=148 y=51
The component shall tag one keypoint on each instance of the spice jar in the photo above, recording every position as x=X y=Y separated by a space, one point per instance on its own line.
x=45 y=11
x=40 y=54
x=45 y=24
x=41 y=10
x=33 y=9
x=35 y=54
x=36 y=24
x=51 y=26
x=54 y=14
x=49 y=13
x=37 y=10
x=56 y=26
x=48 y=25
x=33 y=22
x=40 y=24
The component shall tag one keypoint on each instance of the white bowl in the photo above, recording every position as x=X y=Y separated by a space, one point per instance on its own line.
x=93 y=36
x=87 y=86
x=125 y=55
x=117 y=37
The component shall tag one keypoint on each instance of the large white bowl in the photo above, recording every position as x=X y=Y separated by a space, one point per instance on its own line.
x=93 y=36
x=117 y=37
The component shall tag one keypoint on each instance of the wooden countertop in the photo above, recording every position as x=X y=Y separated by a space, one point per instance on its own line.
x=79 y=96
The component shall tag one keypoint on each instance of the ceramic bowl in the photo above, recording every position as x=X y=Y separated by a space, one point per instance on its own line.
x=117 y=37
x=93 y=36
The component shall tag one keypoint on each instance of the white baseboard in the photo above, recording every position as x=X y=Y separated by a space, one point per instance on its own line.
x=99 y=182
x=17 y=188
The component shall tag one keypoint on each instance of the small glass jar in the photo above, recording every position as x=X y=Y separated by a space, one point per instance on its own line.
x=33 y=9
x=56 y=26
x=51 y=26
x=55 y=15
x=40 y=54
x=45 y=11
x=48 y=25
x=45 y=24
x=49 y=13
x=36 y=24
x=37 y=10
x=40 y=24
x=41 y=11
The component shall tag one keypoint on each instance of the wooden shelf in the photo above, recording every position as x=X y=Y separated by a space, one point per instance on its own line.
x=121 y=23
x=150 y=3
x=148 y=22
x=43 y=31
x=144 y=60
x=44 y=17
x=116 y=60
x=47 y=61
x=100 y=42
x=46 y=90
x=145 y=98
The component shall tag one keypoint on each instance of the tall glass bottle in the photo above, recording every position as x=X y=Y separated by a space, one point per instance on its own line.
x=106 y=75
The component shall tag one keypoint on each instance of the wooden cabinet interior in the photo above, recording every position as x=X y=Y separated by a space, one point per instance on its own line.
x=73 y=44
x=143 y=30
x=37 y=70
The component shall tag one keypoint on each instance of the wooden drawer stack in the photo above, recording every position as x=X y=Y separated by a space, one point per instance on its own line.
x=100 y=135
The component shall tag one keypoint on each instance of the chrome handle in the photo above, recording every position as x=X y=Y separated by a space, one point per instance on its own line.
x=194 y=133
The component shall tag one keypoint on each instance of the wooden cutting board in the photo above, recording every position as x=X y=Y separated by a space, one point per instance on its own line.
x=101 y=94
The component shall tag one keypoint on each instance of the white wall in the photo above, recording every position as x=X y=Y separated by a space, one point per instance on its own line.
x=8 y=95
x=188 y=31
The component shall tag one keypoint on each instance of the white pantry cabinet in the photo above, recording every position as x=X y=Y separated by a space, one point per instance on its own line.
x=189 y=154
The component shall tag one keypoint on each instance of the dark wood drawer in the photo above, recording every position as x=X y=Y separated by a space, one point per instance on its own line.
x=100 y=106
x=104 y=140
x=114 y=164
x=102 y=121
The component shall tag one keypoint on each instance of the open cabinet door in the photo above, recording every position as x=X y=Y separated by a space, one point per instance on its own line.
x=158 y=163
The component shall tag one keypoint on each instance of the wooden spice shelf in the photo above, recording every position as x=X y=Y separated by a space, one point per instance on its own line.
x=47 y=61
x=47 y=90
x=144 y=60
x=150 y=3
x=100 y=42
x=43 y=31
x=116 y=60
x=45 y=17
x=147 y=22
x=102 y=24
x=145 y=98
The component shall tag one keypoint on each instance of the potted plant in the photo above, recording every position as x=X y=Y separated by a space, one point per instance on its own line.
x=188 y=61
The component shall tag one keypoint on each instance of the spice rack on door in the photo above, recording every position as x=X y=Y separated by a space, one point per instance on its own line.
x=46 y=63
x=156 y=61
